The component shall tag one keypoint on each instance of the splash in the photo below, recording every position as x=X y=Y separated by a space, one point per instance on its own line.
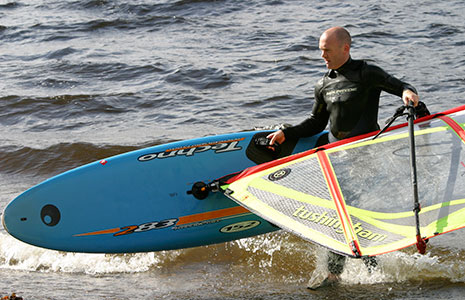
x=267 y=258
x=16 y=255
x=405 y=266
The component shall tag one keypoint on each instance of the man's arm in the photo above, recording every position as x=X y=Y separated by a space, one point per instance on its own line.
x=391 y=84
x=314 y=124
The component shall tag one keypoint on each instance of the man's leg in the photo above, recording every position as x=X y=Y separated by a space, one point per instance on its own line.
x=370 y=262
x=335 y=264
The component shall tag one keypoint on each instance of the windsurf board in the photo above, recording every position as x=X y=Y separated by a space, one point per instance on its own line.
x=139 y=201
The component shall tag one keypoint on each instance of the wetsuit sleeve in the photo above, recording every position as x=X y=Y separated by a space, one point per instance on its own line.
x=386 y=82
x=314 y=124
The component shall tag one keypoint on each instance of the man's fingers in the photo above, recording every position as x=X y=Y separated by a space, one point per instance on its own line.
x=408 y=95
x=273 y=140
x=273 y=137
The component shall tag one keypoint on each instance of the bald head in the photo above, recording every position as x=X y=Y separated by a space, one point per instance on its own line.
x=339 y=33
x=335 y=47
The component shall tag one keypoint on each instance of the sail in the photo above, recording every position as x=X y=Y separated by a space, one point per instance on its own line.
x=355 y=197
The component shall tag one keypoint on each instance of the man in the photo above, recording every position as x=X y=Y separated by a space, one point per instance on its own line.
x=348 y=97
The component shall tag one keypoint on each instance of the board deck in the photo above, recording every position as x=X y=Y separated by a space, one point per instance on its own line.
x=138 y=201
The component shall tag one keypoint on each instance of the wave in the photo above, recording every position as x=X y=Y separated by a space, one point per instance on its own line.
x=200 y=79
x=28 y=110
x=131 y=23
x=104 y=16
x=9 y=5
x=15 y=255
x=263 y=259
x=56 y=158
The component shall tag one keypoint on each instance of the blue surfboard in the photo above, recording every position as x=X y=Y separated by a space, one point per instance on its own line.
x=140 y=201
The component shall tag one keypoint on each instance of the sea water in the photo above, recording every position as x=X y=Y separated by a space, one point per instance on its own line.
x=86 y=79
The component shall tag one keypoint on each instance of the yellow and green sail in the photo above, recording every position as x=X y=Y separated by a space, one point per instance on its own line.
x=355 y=198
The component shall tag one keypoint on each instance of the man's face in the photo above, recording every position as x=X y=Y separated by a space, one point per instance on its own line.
x=334 y=52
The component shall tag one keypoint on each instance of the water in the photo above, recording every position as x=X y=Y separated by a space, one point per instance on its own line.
x=84 y=80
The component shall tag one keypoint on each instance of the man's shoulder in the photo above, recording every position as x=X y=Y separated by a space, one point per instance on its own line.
x=369 y=70
x=366 y=65
x=358 y=63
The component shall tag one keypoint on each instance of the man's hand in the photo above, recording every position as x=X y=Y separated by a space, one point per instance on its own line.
x=277 y=136
x=408 y=95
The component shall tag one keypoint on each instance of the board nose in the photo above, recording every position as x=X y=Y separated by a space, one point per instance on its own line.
x=19 y=219
x=3 y=220
x=28 y=222
x=7 y=219
x=10 y=218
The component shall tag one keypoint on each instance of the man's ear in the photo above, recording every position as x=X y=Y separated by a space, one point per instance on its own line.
x=346 y=48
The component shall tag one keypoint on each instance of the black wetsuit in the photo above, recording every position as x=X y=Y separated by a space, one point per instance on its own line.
x=349 y=98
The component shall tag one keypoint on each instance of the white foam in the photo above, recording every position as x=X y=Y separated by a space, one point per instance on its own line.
x=270 y=252
x=20 y=256
x=402 y=266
